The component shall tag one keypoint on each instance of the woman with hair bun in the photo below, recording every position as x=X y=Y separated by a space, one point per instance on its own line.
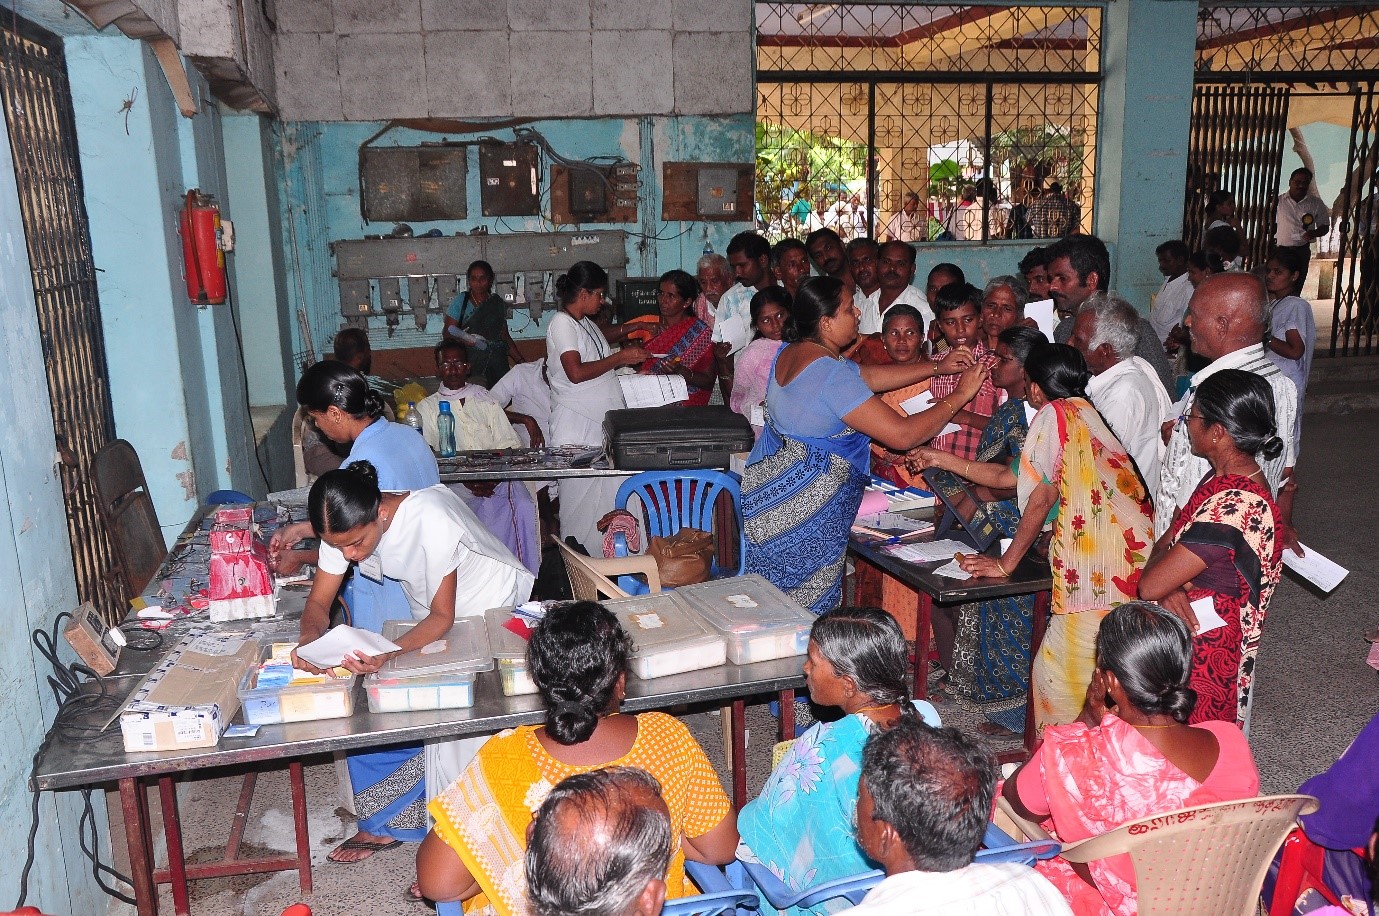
x=1223 y=544
x=430 y=546
x=578 y=658
x=580 y=363
x=1130 y=754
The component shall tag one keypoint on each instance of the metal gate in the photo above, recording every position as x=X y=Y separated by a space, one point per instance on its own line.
x=1236 y=144
x=1356 y=306
x=38 y=112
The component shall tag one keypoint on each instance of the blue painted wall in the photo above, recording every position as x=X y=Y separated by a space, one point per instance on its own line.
x=1330 y=148
x=36 y=567
x=320 y=194
x=177 y=380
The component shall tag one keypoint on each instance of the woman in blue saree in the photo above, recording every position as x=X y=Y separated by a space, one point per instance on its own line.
x=803 y=483
x=988 y=661
x=803 y=825
x=389 y=784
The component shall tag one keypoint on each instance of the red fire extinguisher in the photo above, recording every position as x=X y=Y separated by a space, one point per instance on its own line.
x=201 y=249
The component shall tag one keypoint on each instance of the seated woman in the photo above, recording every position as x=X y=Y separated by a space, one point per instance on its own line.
x=984 y=648
x=803 y=483
x=578 y=659
x=803 y=826
x=446 y=564
x=681 y=344
x=1072 y=462
x=1222 y=545
x=770 y=308
x=1130 y=754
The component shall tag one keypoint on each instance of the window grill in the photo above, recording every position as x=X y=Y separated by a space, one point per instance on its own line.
x=1304 y=43
x=38 y=112
x=1355 y=319
x=860 y=104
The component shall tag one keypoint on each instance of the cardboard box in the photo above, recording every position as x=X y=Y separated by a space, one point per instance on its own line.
x=191 y=696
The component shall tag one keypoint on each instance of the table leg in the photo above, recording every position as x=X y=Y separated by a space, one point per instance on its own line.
x=241 y=819
x=172 y=830
x=787 y=715
x=137 y=841
x=1038 y=622
x=923 y=623
x=294 y=771
x=739 y=754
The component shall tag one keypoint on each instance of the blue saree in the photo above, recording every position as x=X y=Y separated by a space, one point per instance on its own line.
x=801 y=489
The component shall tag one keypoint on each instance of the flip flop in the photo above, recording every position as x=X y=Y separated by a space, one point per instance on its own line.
x=355 y=845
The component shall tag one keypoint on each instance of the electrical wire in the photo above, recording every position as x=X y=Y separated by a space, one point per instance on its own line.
x=77 y=719
x=248 y=407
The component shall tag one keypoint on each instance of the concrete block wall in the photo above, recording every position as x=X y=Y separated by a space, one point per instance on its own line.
x=363 y=60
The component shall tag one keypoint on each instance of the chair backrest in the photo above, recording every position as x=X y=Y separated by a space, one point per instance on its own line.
x=299 y=475
x=672 y=500
x=721 y=903
x=1208 y=860
x=592 y=579
x=124 y=504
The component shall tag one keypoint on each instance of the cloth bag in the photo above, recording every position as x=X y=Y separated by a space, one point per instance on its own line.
x=683 y=558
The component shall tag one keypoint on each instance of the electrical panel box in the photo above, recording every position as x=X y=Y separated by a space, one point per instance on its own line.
x=594 y=193
x=508 y=182
x=588 y=192
x=413 y=183
x=707 y=191
x=718 y=192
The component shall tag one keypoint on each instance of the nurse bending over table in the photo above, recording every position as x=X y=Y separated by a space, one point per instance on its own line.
x=448 y=565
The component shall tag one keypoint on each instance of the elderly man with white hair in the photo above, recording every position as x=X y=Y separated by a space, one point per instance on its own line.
x=1124 y=388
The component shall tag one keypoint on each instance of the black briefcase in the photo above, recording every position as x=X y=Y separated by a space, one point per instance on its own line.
x=672 y=438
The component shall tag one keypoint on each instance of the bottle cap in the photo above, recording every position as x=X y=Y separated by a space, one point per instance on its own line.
x=445 y=407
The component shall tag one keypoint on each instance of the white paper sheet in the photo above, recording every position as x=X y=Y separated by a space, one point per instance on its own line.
x=921 y=402
x=1315 y=568
x=1043 y=314
x=736 y=331
x=928 y=552
x=653 y=390
x=952 y=570
x=1207 y=618
x=331 y=649
x=894 y=521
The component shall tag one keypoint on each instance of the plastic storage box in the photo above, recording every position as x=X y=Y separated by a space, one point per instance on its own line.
x=271 y=705
x=438 y=676
x=758 y=621
x=667 y=637
x=509 y=653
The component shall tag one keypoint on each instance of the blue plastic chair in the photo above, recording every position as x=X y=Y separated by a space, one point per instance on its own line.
x=672 y=500
x=998 y=846
x=228 y=498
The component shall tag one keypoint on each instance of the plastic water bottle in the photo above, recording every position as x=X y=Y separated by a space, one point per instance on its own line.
x=413 y=419
x=445 y=431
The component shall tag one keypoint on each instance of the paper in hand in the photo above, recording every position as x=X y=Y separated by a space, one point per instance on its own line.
x=921 y=402
x=653 y=390
x=952 y=570
x=1044 y=316
x=1315 y=568
x=1207 y=618
x=341 y=642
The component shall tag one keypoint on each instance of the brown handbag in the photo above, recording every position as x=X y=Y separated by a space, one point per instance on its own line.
x=683 y=558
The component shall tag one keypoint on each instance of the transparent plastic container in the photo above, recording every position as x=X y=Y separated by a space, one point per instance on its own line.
x=509 y=653
x=438 y=676
x=272 y=705
x=667 y=637
x=435 y=691
x=758 y=621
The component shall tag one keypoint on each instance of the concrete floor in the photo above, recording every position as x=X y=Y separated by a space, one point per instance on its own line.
x=1315 y=693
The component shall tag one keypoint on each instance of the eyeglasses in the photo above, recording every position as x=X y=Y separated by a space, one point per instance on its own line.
x=1182 y=421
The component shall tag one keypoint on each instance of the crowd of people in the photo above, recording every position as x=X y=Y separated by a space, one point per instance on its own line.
x=1149 y=459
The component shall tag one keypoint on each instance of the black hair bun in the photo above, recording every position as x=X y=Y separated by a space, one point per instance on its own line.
x=1271 y=448
x=364 y=469
x=1178 y=702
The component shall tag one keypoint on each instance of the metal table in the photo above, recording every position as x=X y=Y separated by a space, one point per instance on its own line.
x=1031 y=576
x=66 y=764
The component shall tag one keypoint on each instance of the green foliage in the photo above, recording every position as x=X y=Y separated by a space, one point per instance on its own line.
x=796 y=165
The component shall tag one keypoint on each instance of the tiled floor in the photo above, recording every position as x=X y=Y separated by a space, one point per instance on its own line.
x=1315 y=692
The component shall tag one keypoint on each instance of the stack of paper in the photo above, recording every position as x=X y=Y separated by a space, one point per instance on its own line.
x=343 y=642
x=653 y=390
x=927 y=553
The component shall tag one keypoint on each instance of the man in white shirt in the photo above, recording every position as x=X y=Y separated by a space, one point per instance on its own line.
x=895 y=270
x=967 y=218
x=1226 y=319
x=1170 y=304
x=505 y=507
x=749 y=256
x=1124 y=388
x=1301 y=218
x=922 y=806
x=908 y=225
